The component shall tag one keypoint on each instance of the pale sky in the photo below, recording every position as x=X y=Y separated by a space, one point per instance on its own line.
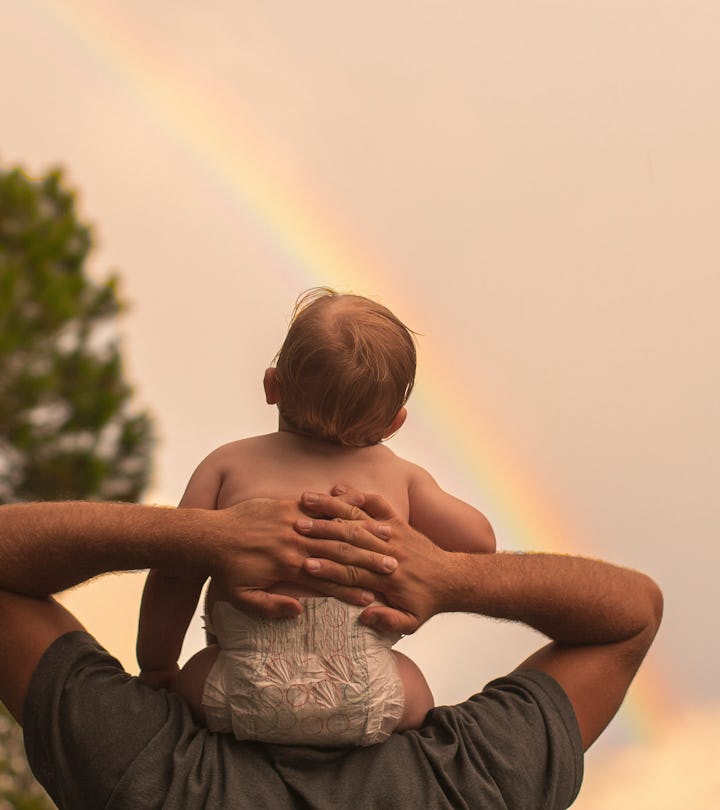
x=532 y=186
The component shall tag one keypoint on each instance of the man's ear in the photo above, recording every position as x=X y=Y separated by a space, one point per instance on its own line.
x=271 y=386
x=396 y=423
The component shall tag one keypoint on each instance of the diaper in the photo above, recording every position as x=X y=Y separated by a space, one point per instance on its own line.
x=320 y=679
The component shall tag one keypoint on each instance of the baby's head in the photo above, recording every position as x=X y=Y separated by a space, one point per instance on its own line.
x=345 y=370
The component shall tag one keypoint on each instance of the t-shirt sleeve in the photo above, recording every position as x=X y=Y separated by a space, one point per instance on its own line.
x=518 y=740
x=80 y=748
x=97 y=737
x=553 y=739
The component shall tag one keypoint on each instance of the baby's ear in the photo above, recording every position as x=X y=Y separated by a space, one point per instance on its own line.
x=270 y=384
x=396 y=423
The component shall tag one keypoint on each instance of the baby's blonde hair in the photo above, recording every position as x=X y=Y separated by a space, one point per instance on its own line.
x=345 y=369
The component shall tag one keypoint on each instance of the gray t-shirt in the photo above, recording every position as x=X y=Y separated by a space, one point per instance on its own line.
x=98 y=738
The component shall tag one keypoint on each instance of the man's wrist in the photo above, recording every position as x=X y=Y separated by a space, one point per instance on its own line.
x=456 y=582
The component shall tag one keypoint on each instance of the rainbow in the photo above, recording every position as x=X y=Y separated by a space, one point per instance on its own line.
x=315 y=247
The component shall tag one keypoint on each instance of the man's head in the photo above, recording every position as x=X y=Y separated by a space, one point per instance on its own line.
x=345 y=370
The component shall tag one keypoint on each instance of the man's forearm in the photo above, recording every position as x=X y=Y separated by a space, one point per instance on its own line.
x=572 y=600
x=48 y=547
x=601 y=620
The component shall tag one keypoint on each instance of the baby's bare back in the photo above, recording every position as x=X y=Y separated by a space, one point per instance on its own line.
x=283 y=465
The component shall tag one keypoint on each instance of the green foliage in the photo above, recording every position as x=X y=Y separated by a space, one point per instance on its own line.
x=66 y=429
x=18 y=788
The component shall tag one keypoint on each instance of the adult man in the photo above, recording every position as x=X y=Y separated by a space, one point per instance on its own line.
x=97 y=737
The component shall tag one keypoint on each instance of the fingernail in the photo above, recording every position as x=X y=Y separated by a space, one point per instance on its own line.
x=384 y=531
x=312 y=565
x=304 y=524
x=310 y=497
x=367 y=597
x=389 y=563
x=339 y=489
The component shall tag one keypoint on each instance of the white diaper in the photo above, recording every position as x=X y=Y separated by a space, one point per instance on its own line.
x=320 y=679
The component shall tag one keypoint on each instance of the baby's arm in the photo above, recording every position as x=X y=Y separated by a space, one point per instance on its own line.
x=449 y=522
x=171 y=596
x=168 y=604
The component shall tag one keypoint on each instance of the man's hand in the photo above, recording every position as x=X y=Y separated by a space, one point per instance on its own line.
x=416 y=590
x=260 y=542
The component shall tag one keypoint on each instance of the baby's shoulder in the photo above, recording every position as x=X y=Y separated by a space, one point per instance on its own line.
x=239 y=449
x=410 y=472
x=383 y=455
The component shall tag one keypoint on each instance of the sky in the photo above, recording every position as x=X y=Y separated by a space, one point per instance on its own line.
x=531 y=186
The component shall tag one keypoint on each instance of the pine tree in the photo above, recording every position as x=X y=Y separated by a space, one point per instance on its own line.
x=67 y=430
x=18 y=788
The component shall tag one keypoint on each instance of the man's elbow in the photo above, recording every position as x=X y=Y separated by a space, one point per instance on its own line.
x=656 y=600
x=652 y=612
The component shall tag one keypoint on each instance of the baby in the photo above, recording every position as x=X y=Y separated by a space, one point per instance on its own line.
x=340 y=383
